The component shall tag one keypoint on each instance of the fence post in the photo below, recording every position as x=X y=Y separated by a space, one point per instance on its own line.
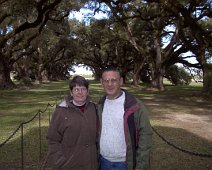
x=49 y=116
x=22 y=146
x=39 y=117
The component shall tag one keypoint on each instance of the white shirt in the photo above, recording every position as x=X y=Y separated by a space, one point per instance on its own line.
x=112 y=140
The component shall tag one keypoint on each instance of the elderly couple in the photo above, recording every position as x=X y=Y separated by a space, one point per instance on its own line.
x=115 y=135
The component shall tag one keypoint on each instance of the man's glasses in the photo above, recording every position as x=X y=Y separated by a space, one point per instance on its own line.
x=112 y=81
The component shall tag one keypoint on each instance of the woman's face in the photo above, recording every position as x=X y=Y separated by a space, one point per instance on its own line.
x=79 y=94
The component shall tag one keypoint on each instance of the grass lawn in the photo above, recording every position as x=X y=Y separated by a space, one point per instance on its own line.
x=181 y=114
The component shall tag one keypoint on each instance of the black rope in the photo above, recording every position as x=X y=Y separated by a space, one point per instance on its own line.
x=169 y=143
x=3 y=143
x=39 y=111
x=181 y=149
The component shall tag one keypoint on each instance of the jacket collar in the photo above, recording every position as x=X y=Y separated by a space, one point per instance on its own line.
x=69 y=100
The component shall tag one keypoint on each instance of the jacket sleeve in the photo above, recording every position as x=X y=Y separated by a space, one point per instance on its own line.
x=144 y=138
x=54 y=137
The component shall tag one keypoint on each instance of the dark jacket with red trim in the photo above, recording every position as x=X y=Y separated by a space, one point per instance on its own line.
x=138 y=132
x=72 y=137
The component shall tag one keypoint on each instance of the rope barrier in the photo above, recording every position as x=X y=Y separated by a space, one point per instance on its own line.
x=3 y=143
x=181 y=149
x=165 y=140
x=21 y=124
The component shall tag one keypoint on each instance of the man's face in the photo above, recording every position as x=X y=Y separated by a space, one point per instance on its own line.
x=111 y=82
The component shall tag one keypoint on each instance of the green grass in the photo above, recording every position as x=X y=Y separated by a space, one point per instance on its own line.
x=20 y=105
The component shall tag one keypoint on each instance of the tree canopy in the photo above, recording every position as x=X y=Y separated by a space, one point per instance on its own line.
x=39 y=41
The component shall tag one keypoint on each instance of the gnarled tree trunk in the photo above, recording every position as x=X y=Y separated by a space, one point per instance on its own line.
x=136 y=73
x=207 y=79
x=157 y=71
x=5 y=80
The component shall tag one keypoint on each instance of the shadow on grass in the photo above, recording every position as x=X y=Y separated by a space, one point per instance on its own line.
x=33 y=153
x=167 y=157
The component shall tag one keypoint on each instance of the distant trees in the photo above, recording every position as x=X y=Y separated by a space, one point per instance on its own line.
x=143 y=39
x=184 y=25
x=178 y=75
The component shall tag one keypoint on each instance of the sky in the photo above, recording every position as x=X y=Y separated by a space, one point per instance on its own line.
x=80 y=14
x=81 y=70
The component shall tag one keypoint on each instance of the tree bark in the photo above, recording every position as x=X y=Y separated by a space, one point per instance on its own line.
x=136 y=73
x=207 y=79
x=157 y=71
x=5 y=80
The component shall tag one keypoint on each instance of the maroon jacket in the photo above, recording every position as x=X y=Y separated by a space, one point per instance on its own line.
x=72 y=137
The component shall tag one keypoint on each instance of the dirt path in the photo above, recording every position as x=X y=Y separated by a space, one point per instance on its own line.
x=200 y=125
x=196 y=119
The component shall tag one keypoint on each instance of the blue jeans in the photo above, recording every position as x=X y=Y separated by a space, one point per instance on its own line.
x=107 y=165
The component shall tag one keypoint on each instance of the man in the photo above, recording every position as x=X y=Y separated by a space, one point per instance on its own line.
x=125 y=130
x=73 y=130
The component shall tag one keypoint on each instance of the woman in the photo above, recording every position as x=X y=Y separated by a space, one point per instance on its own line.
x=72 y=131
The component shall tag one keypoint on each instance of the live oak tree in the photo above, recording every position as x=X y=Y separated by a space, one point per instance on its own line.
x=103 y=43
x=21 y=22
x=192 y=19
x=189 y=32
x=144 y=24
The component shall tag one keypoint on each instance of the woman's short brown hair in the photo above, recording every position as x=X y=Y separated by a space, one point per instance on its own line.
x=78 y=80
